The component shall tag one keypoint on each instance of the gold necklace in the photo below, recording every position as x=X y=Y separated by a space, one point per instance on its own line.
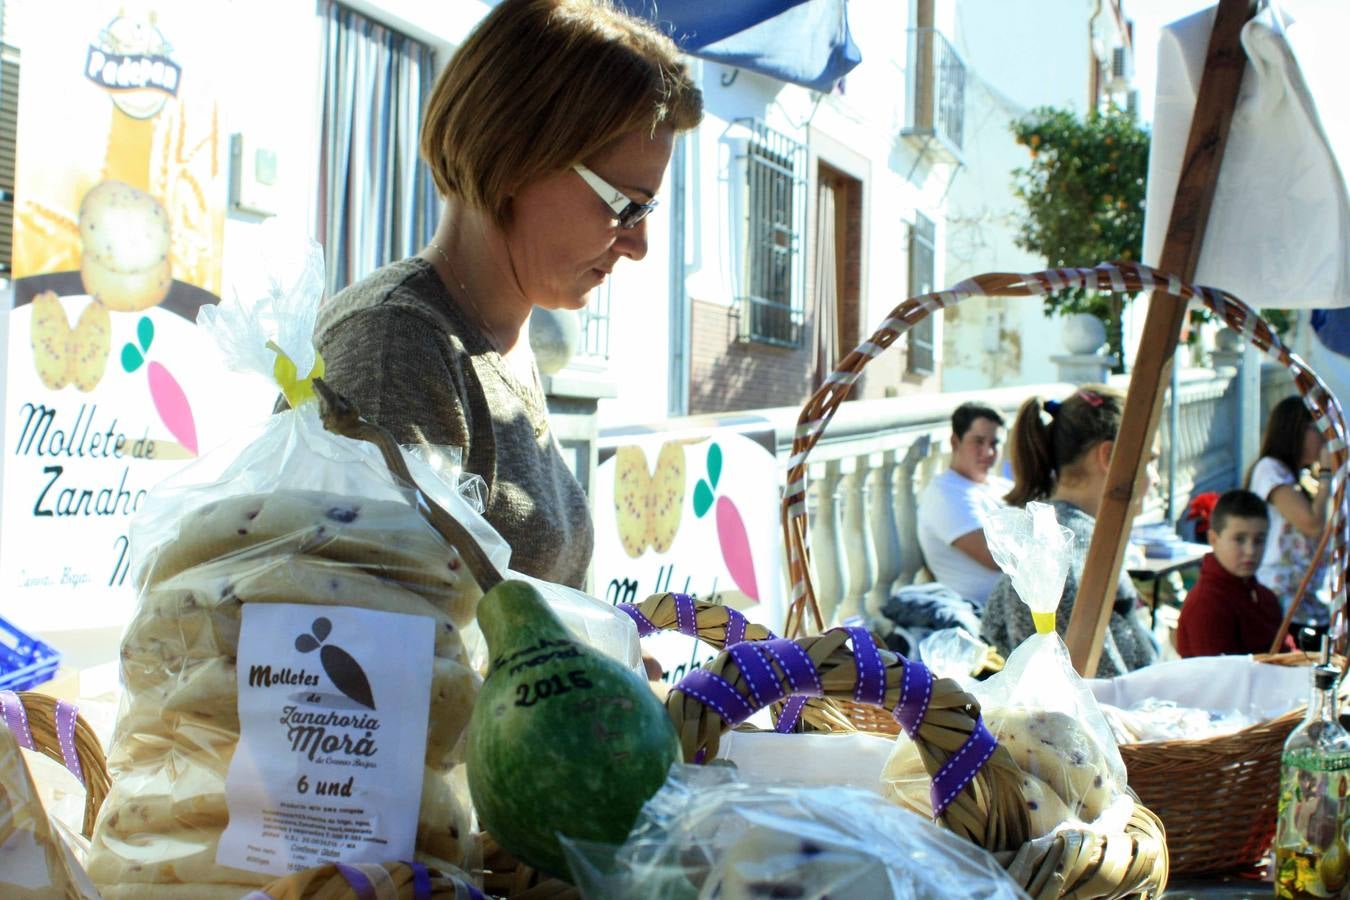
x=468 y=300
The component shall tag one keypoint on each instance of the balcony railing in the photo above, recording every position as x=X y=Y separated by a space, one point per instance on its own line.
x=937 y=90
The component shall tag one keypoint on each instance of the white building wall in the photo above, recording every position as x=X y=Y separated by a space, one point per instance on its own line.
x=856 y=131
x=277 y=107
x=1015 y=63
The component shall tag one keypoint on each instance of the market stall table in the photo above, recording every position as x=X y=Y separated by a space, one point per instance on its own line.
x=1155 y=568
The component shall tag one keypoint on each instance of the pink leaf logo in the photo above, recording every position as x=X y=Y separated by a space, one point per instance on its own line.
x=172 y=405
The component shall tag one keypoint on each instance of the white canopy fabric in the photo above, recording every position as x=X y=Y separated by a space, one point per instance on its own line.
x=1279 y=229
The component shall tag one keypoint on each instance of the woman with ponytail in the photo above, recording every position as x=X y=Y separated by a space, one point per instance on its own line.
x=1060 y=454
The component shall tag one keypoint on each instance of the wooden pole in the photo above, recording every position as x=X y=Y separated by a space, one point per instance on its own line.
x=1225 y=61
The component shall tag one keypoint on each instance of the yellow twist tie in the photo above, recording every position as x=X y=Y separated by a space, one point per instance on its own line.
x=297 y=390
x=1045 y=622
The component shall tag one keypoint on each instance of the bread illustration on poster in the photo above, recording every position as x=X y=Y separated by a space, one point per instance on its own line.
x=69 y=356
x=648 y=504
x=125 y=240
x=125 y=267
x=649 y=507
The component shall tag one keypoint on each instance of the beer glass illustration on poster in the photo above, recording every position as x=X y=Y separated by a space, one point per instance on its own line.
x=120 y=192
x=692 y=514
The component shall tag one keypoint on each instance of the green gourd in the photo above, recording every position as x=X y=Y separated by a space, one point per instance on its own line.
x=563 y=739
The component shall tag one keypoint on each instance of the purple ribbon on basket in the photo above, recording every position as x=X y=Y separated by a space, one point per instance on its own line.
x=66 y=715
x=359 y=881
x=686 y=619
x=916 y=691
x=871 y=686
x=16 y=719
x=757 y=661
x=644 y=624
x=957 y=771
x=365 y=889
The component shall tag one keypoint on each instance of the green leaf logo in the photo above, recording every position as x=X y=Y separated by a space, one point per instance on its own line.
x=703 y=498
x=132 y=356
x=714 y=463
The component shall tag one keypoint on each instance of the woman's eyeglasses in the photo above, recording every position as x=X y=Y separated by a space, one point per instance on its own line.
x=628 y=212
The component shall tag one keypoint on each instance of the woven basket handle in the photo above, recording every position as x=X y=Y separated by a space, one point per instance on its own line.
x=1117 y=278
x=55 y=729
x=712 y=623
x=358 y=881
x=936 y=713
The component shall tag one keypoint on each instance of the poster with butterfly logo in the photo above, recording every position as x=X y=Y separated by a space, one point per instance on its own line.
x=120 y=195
x=692 y=513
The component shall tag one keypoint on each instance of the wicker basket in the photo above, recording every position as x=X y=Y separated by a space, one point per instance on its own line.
x=396 y=881
x=1224 y=786
x=1217 y=796
x=55 y=729
x=985 y=806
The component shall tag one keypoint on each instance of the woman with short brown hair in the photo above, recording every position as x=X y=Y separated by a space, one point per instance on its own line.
x=548 y=133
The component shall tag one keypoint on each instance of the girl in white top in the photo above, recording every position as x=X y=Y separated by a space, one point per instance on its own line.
x=1290 y=447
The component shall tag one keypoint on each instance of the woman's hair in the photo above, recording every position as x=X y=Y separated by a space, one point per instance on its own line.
x=1284 y=434
x=541 y=85
x=1048 y=438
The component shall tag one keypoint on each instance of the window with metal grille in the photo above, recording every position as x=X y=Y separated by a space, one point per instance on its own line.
x=922 y=358
x=937 y=89
x=594 y=339
x=9 y=114
x=773 y=299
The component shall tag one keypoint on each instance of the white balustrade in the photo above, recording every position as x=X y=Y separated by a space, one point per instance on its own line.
x=859 y=547
x=829 y=567
x=883 y=519
x=870 y=466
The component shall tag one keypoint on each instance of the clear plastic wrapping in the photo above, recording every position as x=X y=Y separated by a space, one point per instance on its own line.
x=1197 y=698
x=709 y=834
x=953 y=653
x=289 y=519
x=1037 y=706
x=36 y=862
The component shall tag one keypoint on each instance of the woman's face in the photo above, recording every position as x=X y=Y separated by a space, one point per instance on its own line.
x=563 y=238
x=1312 y=445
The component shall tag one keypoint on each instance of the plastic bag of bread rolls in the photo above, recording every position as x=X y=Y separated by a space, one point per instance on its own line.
x=1037 y=706
x=710 y=834
x=35 y=862
x=295 y=680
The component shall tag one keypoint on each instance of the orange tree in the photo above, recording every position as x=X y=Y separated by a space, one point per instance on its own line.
x=1083 y=201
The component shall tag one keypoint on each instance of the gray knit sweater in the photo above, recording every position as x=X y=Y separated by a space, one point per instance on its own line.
x=1127 y=646
x=398 y=346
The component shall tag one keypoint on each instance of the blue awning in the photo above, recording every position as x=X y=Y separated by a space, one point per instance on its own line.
x=805 y=42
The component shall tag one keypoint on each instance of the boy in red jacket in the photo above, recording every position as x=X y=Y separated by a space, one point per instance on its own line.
x=1228 y=610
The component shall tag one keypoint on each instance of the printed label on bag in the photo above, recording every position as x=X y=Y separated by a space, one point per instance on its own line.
x=332 y=737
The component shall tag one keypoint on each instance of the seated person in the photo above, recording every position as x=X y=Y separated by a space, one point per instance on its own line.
x=1228 y=610
x=953 y=506
x=1060 y=454
x=1299 y=507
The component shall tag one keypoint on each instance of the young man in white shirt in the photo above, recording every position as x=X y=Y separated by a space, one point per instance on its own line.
x=953 y=506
